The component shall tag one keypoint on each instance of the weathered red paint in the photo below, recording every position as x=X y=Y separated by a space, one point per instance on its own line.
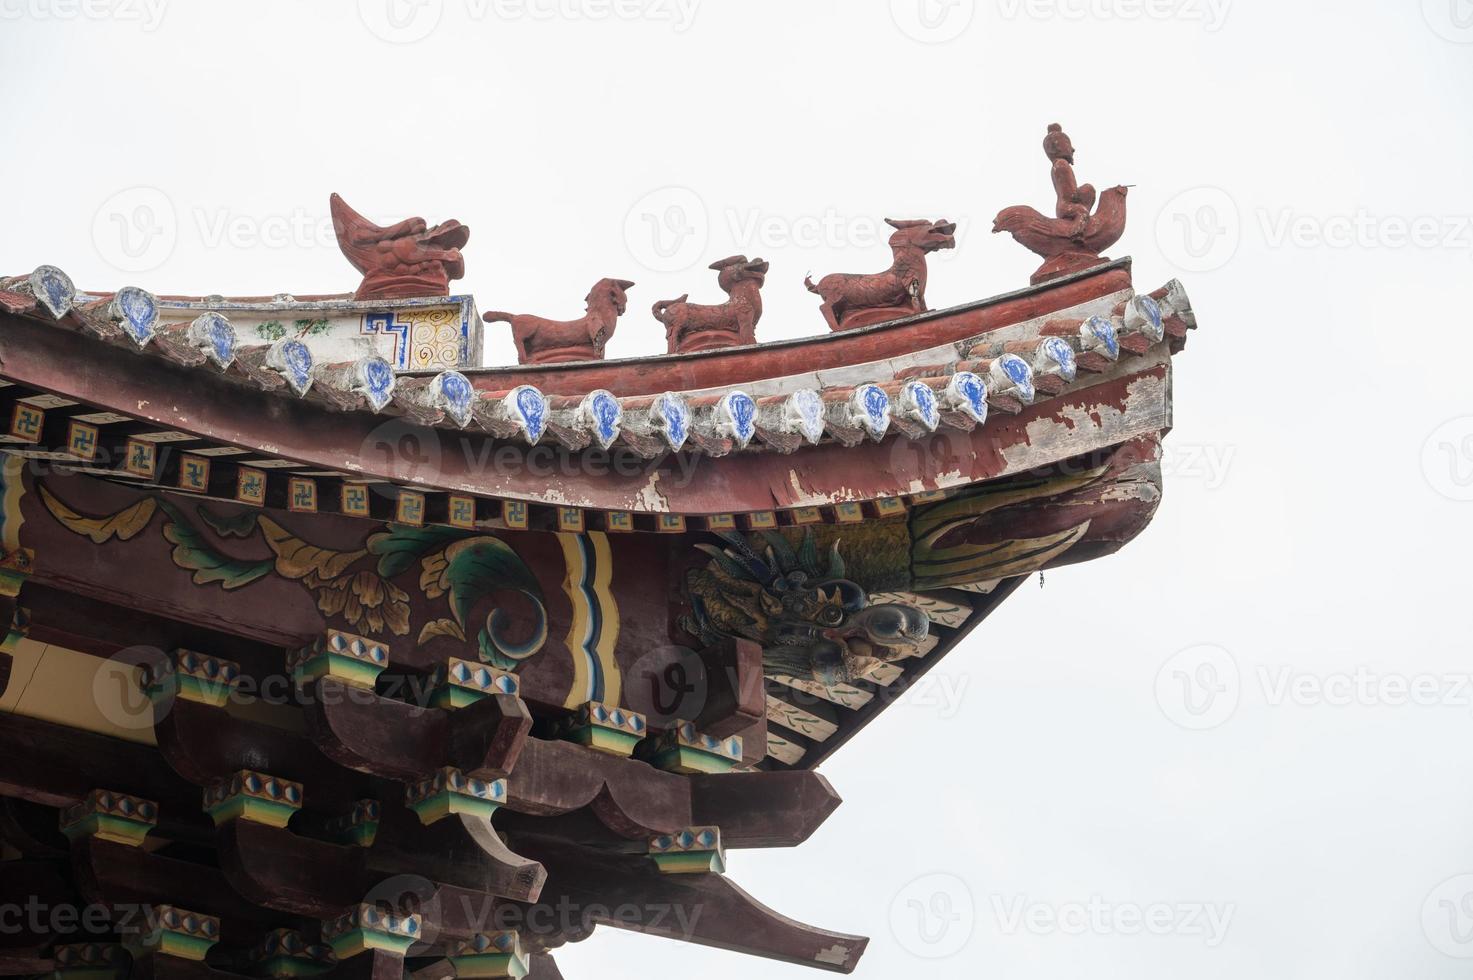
x=851 y=300
x=1075 y=238
x=543 y=341
x=691 y=327
x=403 y=260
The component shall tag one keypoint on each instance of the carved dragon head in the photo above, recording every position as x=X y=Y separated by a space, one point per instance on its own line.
x=738 y=268
x=928 y=236
x=611 y=292
x=811 y=620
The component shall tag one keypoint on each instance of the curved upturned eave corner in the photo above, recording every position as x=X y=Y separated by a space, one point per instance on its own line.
x=887 y=422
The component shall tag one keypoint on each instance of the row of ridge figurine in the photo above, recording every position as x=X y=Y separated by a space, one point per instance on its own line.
x=412 y=259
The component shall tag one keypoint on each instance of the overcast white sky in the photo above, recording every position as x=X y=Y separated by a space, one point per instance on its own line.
x=1303 y=166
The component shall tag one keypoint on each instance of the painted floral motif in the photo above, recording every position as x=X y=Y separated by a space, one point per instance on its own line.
x=529 y=407
x=213 y=334
x=738 y=414
x=1016 y=370
x=807 y=408
x=1149 y=312
x=456 y=394
x=919 y=402
x=604 y=416
x=672 y=417
x=467 y=571
x=873 y=408
x=1057 y=349
x=276 y=330
x=54 y=289
x=968 y=392
x=137 y=312
x=294 y=362
x=1103 y=332
x=356 y=586
x=376 y=381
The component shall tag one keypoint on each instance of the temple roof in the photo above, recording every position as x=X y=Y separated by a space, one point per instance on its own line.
x=938 y=371
x=625 y=605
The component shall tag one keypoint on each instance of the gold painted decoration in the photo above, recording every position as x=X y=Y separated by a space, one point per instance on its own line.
x=462 y=512
x=26 y=423
x=357 y=585
x=194 y=473
x=410 y=508
x=951 y=549
x=353 y=500
x=81 y=440
x=302 y=495
x=250 y=486
x=123 y=525
x=141 y=458
x=593 y=633
x=467 y=571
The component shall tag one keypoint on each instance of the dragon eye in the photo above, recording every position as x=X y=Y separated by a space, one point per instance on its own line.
x=831 y=615
x=888 y=622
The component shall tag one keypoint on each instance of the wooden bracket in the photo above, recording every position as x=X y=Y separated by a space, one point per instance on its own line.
x=708 y=909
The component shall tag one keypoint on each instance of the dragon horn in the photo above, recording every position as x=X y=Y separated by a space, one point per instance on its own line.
x=836 y=562
x=782 y=552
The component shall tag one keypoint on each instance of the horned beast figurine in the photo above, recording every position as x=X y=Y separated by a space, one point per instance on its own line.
x=1074 y=240
x=693 y=327
x=543 y=341
x=406 y=259
x=851 y=301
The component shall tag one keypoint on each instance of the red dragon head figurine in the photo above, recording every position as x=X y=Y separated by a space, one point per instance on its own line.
x=402 y=260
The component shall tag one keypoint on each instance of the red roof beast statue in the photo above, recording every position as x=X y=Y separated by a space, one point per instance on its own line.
x=691 y=327
x=543 y=341
x=409 y=259
x=858 y=300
